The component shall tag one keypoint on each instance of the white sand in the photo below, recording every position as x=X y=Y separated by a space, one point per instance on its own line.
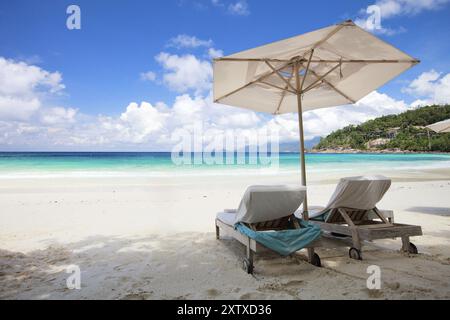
x=150 y=238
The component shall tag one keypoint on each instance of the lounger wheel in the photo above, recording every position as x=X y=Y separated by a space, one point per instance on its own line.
x=412 y=248
x=315 y=261
x=248 y=266
x=355 y=253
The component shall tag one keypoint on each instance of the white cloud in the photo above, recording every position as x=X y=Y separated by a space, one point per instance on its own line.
x=186 y=72
x=150 y=127
x=391 y=8
x=215 y=53
x=240 y=8
x=182 y=73
x=432 y=86
x=139 y=126
x=148 y=76
x=186 y=41
x=187 y=111
x=420 y=103
x=241 y=120
x=388 y=9
x=142 y=120
x=58 y=115
x=22 y=87
x=324 y=121
x=321 y=122
x=363 y=23
x=18 y=107
x=424 y=85
x=19 y=78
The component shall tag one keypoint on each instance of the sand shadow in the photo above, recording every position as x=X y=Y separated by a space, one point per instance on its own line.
x=168 y=266
x=124 y=267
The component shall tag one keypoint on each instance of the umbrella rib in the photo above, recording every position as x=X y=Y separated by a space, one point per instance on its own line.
x=277 y=87
x=333 y=87
x=283 y=94
x=290 y=78
x=251 y=59
x=328 y=36
x=365 y=61
x=264 y=76
x=320 y=78
x=414 y=61
x=280 y=76
x=306 y=70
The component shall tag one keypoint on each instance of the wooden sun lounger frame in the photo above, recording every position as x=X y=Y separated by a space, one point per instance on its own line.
x=252 y=246
x=357 y=224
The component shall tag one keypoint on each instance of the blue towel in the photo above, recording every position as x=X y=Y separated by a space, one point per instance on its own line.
x=284 y=242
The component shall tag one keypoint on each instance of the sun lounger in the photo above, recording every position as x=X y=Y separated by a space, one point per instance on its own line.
x=265 y=218
x=352 y=212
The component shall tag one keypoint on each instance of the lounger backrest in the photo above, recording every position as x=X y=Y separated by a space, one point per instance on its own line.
x=362 y=193
x=264 y=203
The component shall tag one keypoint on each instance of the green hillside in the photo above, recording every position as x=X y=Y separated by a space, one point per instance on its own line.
x=403 y=131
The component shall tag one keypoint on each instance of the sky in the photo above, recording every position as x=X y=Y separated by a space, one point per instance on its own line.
x=137 y=72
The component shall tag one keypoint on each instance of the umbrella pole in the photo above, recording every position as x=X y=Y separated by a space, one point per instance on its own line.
x=305 y=215
x=302 y=139
x=302 y=156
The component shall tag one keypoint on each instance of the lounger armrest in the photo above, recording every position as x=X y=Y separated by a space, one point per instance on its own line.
x=230 y=210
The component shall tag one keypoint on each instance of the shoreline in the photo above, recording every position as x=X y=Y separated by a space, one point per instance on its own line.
x=359 y=151
x=311 y=151
x=436 y=174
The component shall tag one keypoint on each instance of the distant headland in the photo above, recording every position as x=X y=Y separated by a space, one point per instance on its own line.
x=402 y=133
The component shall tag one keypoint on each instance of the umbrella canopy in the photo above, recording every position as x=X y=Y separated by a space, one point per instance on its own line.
x=441 y=126
x=328 y=67
x=346 y=63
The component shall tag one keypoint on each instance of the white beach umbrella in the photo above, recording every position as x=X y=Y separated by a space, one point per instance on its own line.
x=328 y=67
x=440 y=127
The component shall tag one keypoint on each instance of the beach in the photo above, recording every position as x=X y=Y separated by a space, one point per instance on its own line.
x=153 y=238
x=135 y=135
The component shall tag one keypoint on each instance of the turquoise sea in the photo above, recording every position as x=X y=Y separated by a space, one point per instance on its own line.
x=117 y=164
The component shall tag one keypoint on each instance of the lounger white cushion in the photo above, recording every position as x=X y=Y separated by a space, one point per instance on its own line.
x=228 y=218
x=361 y=193
x=264 y=203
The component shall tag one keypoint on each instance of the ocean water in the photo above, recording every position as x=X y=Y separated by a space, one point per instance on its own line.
x=141 y=164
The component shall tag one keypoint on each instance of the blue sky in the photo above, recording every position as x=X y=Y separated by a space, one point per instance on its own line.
x=100 y=70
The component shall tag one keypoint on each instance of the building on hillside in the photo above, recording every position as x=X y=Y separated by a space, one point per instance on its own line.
x=391 y=133
x=377 y=143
